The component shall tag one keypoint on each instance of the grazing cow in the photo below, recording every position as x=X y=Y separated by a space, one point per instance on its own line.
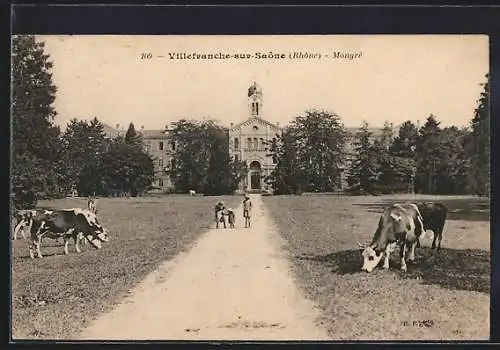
x=68 y=223
x=434 y=217
x=192 y=192
x=219 y=214
x=23 y=220
x=230 y=217
x=399 y=224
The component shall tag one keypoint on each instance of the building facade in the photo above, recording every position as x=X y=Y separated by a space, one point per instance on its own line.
x=248 y=142
x=161 y=148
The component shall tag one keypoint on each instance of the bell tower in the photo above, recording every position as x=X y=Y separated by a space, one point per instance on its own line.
x=255 y=100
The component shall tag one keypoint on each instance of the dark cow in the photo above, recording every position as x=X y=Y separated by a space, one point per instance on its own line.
x=434 y=217
x=73 y=223
x=399 y=224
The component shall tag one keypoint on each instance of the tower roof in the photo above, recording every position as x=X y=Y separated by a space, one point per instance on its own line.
x=254 y=89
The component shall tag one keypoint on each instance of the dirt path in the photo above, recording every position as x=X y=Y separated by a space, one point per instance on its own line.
x=234 y=284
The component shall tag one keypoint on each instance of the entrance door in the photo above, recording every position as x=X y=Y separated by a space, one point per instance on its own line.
x=255 y=181
x=255 y=175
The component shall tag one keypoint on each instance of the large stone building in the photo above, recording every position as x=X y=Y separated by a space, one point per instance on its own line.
x=247 y=142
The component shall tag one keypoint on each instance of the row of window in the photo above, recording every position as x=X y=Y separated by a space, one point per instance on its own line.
x=252 y=144
x=160 y=163
x=161 y=146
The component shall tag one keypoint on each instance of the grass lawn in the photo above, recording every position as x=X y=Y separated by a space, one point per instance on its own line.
x=443 y=295
x=54 y=297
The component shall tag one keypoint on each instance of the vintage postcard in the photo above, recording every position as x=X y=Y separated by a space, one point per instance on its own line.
x=298 y=187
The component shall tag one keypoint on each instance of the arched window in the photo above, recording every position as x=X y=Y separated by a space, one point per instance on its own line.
x=236 y=158
x=160 y=182
x=160 y=163
x=249 y=143
x=160 y=145
x=236 y=143
x=172 y=163
x=257 y=108
x=262 y=144
x=255 y=143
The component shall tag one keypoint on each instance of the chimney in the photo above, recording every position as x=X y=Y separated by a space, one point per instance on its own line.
x=142 y=127
x=418 y=124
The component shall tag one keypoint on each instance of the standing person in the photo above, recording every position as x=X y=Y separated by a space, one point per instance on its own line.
x=247 y=208
x=219 y=214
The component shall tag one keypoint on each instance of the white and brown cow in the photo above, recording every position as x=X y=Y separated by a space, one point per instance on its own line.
x=399 y=225
x=73 y=223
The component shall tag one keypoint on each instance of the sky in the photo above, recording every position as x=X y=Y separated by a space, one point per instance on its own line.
x=391 y=78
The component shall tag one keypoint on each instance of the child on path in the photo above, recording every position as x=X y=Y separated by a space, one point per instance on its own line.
x=247 y=207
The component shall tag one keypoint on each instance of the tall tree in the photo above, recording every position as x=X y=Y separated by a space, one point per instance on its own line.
x=363 y=168
x=286 y=177
x=427 y=155
x=202 y=158
x=454 y=164
x=132 y=137
x=320 y=139
x=481 y=143
x=126 y=168
x=86 y=144
x=35 y=142
x=404 y=143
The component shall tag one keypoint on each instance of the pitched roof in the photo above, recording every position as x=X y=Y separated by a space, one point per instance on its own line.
x=109 y=130
x=152 y=134
x=249 y=120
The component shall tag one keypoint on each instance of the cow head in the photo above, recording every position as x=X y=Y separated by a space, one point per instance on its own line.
x=97 y=233
x=370 y=257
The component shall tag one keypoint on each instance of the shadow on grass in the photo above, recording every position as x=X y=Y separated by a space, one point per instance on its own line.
x=459 y=209
x=457 y=269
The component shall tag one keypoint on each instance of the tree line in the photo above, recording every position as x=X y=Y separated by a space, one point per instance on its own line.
x=311 y=154
x=49 y=163
x=315 y=153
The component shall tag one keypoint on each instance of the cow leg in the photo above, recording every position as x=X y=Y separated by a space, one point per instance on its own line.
x=403 y=257
x=77 y=239
x=66 y=243
x=412 y=251
x=224 y=221
x=17 y=228
x=434 y=241
x=32 y=253
x=29 y=228
x=439 y=238
x=38 y=250
x=388 y=250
